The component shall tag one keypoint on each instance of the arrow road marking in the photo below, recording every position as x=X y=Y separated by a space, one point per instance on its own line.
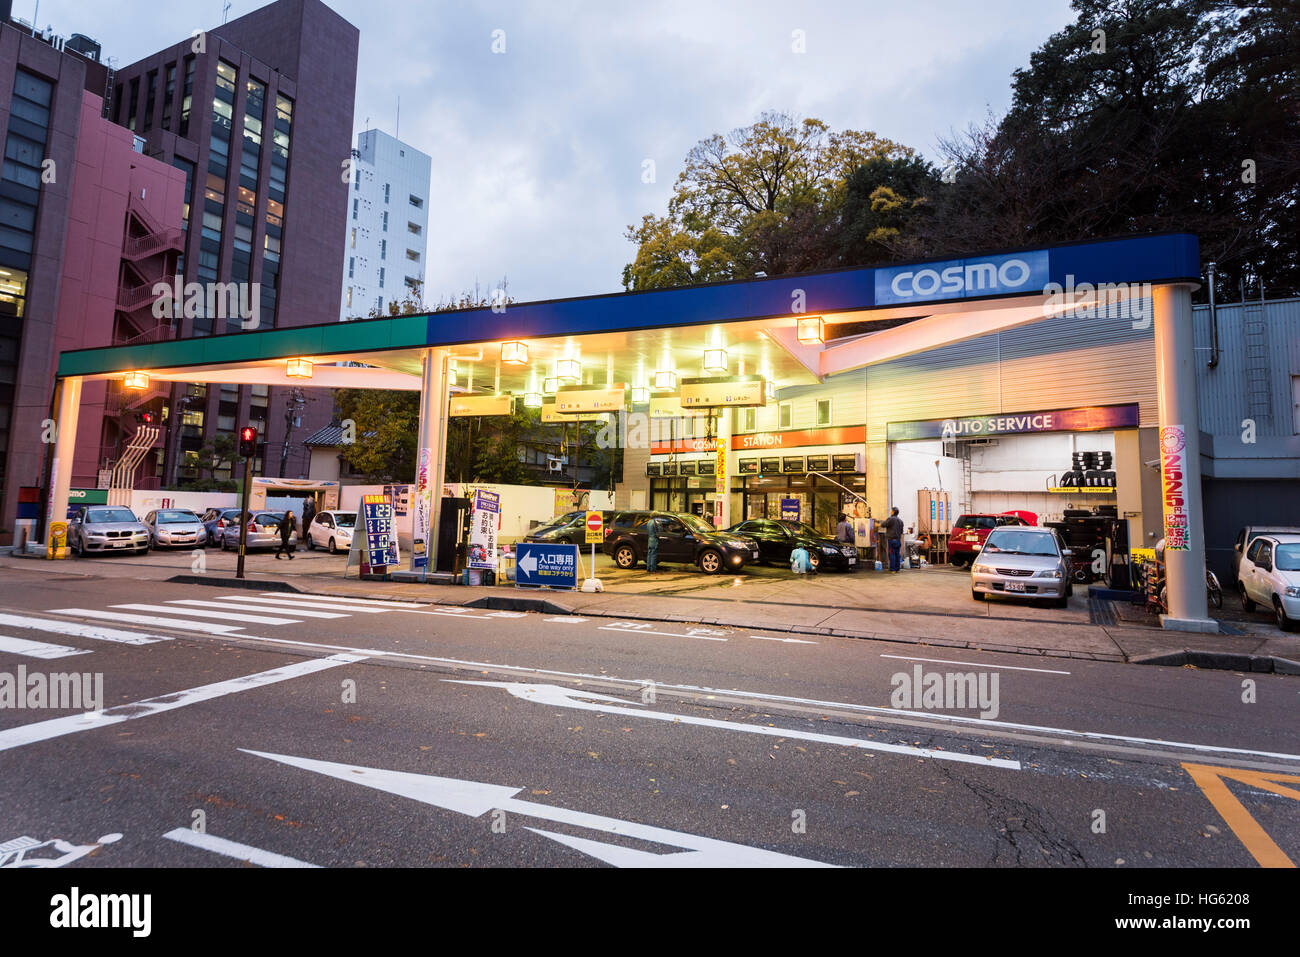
x=1211 y=781
x=572 y=698
x=474 y=799
x=797 y=641
x=241 y=852
x=57 y=727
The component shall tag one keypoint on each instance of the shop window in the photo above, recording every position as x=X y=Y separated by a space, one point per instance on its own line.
x=823 y=411
x=749 y=419
x=784 y=415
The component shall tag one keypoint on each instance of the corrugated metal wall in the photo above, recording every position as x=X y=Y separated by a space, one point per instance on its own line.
x=1221 y=397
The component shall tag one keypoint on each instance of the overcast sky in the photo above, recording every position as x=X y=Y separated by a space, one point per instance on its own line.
x=538 y=152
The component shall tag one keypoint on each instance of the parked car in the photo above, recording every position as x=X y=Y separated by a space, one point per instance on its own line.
x=1023 y=561
x=683 y=538
x=1269 y=575
x=970 y=531
x=263 y=532
x=776 y=539
x=106 y=528
x=1245 y=538
x=215 y=520
x=569 y=528
x=174 y=528
x=332 y=530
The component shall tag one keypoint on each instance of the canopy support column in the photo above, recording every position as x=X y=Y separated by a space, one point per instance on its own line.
x=431 y=454
x=65 y=441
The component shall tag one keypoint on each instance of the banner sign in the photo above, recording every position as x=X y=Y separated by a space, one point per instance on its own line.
x=401 y=498
x=669 y=406
x=1173 y=469
x=1023 y=273
x=576 y=399
x=789 y=510
x=485 y=516
x=549 y=415
x=381 y=544
x=1095 y=418
x=539 y=564
x=423 y=512
x=479 y=405
x=731 y=391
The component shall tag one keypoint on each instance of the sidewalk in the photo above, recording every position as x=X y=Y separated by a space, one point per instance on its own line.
x=929 y=606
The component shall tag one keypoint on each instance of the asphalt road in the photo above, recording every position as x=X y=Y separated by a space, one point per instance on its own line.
x=282 y=730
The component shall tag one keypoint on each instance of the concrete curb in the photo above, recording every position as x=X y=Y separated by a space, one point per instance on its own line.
x=1222 y=661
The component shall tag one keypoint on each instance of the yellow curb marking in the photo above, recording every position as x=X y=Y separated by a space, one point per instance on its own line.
x=1210 y=780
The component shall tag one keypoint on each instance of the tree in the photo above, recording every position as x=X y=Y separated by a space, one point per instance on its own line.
x=769 y=198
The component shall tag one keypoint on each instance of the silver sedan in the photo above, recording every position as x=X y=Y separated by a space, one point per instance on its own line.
x=263 y=532
x=175 y=528
x=1022 y=562
x=106 y=528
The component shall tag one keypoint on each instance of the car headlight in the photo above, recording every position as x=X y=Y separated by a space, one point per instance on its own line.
x=1048 y=573
x=982 y=569
x=1293 y=591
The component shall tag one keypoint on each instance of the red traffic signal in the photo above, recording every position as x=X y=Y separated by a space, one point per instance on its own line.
x=248 y=441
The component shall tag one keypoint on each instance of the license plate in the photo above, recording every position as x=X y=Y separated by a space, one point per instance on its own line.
x=118 y=544
x=754 y=554
x=853 y=561
x=1015 y=586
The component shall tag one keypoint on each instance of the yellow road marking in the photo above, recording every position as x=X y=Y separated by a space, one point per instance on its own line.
x=1210 y=780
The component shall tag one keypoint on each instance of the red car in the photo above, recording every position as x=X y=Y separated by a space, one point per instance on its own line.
x=969 y=532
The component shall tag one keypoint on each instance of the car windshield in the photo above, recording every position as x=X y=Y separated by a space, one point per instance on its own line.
x=268 y=518
x=345 y=519
x=104 y=516
x=801 y=528
x=173 y=516
x=1012 y=541
x=975 y=521
x=694 y=522
x=1287 y=558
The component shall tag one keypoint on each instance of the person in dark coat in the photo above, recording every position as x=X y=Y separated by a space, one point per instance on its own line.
x=308 y=512
x=287 y=526
x=894 y=539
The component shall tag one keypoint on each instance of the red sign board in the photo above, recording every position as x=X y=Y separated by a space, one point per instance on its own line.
x=757 y=441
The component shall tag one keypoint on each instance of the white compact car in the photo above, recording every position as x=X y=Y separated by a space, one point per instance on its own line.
x=1269 y=575
x=332 y=530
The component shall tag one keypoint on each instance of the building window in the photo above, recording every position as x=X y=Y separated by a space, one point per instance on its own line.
x=381 y=277
x=131 y=105
x=823 y=411
x=385 y=221
x=354 y=208
x=349 y=302
x=416 y=201
x=169 y=93
x=413 y=228
x=412 y=255
x=352 y=264
x=187 y=96
x=784 y=415
x=386 y=187
x=354 y=237
x=150 y=99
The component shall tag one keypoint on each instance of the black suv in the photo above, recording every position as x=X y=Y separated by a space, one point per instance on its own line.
x=776 y=540
x=683 y=538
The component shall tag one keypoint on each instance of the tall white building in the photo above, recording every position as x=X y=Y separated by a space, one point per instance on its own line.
x=388 y=223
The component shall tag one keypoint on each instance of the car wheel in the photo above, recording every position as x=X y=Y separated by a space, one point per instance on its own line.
x=1247 y=603
x=1280 y=616
x=311 y=544
x=814 y=561
x=1062 y=602
x=333 y=548
x=225 y=543
x=1069 y=589
x=977 y=595
x=78 y=549
x=625 y=556
x=711 y=561
x=957 y=561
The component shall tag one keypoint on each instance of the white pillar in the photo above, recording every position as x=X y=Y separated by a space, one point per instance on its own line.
x=1180 y=460
x=65 y=441
x=431 y=448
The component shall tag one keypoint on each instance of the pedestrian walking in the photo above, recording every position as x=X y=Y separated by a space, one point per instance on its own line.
x=287 y=526
x=894 y=539
x=308 y=512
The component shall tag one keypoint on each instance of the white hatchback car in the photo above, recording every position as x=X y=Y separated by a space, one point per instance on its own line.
x=332 y=530
x=1269 y=575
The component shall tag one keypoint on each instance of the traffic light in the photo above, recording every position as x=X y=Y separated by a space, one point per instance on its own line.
x=248 y=441
x=146 y=418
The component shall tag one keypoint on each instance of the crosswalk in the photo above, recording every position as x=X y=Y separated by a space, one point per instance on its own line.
x=221 y=615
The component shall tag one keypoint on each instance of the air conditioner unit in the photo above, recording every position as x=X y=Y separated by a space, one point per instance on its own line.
x=554 y=465
x=982 y=442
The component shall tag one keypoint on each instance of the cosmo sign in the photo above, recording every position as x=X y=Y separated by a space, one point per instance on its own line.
x=1016 y=273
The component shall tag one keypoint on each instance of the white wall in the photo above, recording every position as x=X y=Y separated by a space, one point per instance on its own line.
x=912 y=467
x=145 y=501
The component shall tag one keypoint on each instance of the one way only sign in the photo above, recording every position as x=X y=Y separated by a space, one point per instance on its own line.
x=555 y=566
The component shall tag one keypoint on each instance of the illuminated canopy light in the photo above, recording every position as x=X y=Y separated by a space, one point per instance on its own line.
x=665 y=381
x=771 y=389
x=550 y=386
x=514 y=353
x=640 y=396
x=715 y=360
x=532 y=400
x=136 y=380
x=812 y=331
x=299 y=369
x=569 y=369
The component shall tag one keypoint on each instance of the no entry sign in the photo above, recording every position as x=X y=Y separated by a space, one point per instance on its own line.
x=595 y=528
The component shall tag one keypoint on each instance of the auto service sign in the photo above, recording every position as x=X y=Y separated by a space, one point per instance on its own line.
x=1173 y=472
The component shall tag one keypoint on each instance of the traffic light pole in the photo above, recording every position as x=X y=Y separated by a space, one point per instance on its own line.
x=243 y=516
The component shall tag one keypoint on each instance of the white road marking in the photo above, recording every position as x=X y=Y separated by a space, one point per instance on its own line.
x=876 y=710
x=295 y=603
x=475 y=799
x=663 y=634
x=975 y=664
x=296 y=612
x=796 y=641
x=73 y=630
x=57 y=727
x=566 y=618
x=240 y=852
x=558 y=697
x=375 y=602
x=200 y=613
x=38 y=649
x=154 y=622
x=507 y=614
